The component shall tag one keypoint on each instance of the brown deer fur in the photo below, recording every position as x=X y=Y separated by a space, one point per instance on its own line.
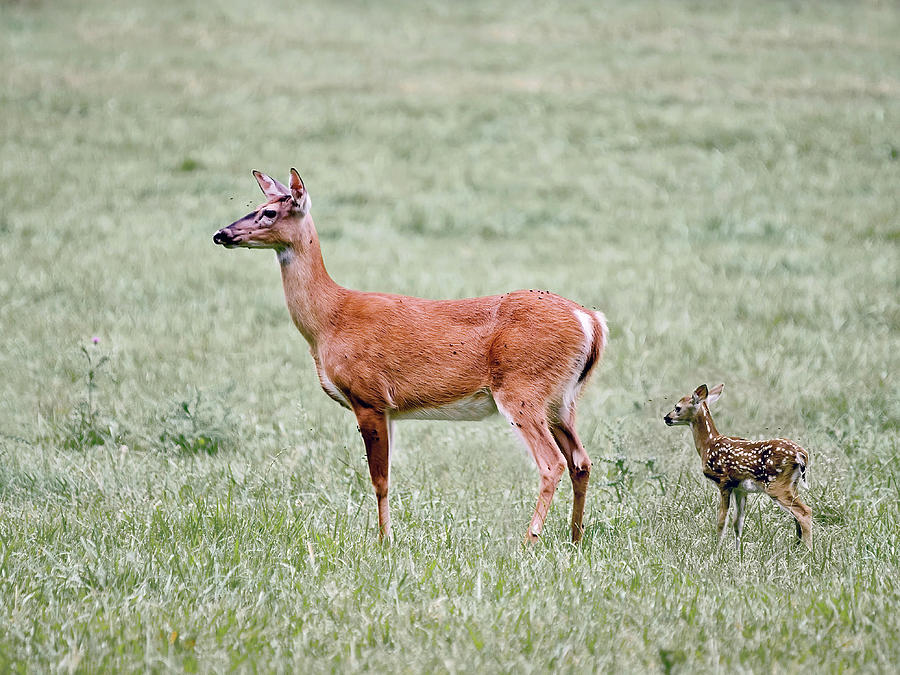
x=526 y=354
x=738 y=466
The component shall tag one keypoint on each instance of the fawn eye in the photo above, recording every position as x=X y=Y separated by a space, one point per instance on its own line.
x=270 y=213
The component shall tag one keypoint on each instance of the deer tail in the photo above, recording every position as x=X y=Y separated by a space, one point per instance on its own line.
x=802 y=463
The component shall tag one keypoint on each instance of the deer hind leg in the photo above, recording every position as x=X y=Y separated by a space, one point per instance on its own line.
x=579 y=470
x=375 y=430
x=532 y=426
x=785 y=495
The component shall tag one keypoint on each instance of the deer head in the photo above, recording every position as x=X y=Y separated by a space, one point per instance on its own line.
x=688 y=407
x=278 y=223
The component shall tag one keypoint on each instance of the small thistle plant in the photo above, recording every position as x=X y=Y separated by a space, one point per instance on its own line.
x=85 y=430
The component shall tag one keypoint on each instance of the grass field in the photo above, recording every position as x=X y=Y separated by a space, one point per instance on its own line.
x=723 y=182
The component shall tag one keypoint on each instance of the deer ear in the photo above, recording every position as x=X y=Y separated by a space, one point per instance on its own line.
x=699 y=394
x=299 y=193
x=714 y=394
x=271 y=188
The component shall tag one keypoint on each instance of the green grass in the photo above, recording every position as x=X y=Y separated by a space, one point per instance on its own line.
x=721 y=181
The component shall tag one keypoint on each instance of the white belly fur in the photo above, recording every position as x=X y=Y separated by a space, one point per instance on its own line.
x=748 y=485
x=471 y=408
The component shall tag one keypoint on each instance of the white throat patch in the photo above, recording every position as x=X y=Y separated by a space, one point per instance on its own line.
x=285 y=256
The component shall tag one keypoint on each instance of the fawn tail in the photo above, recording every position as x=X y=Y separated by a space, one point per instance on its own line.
x=802 y=460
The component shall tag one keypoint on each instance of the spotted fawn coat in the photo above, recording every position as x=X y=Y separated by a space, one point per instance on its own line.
x=738 y=467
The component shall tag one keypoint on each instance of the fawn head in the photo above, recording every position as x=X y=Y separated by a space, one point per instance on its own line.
x=275 y=223
x=686 y=409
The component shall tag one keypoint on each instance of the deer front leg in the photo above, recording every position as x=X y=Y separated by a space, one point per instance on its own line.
x=740 y=500
x=374 y=428
x=724 y=500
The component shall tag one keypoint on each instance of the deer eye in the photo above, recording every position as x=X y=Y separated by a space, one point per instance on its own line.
x=270 y=213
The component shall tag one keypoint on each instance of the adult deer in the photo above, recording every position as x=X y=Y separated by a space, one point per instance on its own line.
x=526 y=354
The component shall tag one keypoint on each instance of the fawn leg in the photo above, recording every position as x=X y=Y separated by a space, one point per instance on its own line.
x=740 y=501
x=785 y=495
x=724 y=499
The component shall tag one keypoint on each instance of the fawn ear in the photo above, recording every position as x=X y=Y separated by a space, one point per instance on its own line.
x=699 y=394
x=299 y=193
x=271 y=188
x=714 y=394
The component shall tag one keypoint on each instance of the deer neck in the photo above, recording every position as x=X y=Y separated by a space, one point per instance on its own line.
x=311 y=295
x=704 y=430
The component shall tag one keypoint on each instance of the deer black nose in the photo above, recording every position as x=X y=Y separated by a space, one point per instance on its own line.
x=221 y=237
x=667 y=420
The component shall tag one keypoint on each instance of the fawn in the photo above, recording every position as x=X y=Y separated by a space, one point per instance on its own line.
x=525 y=354
x=739 y=466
